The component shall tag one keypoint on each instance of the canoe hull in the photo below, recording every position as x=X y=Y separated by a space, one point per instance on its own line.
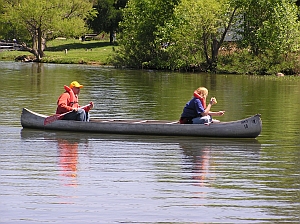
x=247 y=128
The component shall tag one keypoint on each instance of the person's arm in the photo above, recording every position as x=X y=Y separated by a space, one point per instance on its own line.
x=62 y=103
x=219 y=113
x=207 y=109
x=91 y=106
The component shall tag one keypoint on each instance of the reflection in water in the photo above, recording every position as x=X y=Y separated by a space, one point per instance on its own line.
x=68 y=159
x=39 y=67
x=201 y=171
x=201 y=167
x=67 y=148
x=200 y=162
x=203 y=156
x=185 y=179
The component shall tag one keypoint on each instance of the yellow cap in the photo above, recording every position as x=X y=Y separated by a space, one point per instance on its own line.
x=75 y=84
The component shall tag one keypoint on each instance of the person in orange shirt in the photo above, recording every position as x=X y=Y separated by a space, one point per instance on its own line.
x=68 y=102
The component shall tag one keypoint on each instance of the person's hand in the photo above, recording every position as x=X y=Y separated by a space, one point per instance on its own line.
x=213 y=101
x=221 y=113
x=91 y=105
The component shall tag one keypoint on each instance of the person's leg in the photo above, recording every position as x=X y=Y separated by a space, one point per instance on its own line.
x=70 y=116
x=202 y=120
x=79 y=115
x=87 y=116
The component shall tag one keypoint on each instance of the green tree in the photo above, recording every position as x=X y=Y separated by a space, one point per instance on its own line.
x=197 y=32
x=45 y=18
x=108 y=17
x=180 y=34
x=270 y=26
x=141 y=21
x=8 y=30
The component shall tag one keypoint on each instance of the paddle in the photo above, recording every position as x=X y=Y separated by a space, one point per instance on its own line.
x=56 y=117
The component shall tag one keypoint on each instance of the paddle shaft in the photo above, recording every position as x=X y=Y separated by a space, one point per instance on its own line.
x=56 y=117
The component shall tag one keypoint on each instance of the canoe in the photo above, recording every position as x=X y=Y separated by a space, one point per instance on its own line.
x=246 y=128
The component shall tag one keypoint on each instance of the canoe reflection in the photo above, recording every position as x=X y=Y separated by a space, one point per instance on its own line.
x=201 y=155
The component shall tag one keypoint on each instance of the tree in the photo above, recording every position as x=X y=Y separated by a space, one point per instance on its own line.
x=198 y=31
x=46 y=18
x=181 y=33
x=270 y=26
x=141 y=20
x=108 y=17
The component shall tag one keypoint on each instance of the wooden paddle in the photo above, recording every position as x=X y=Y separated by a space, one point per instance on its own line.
x=56 y=117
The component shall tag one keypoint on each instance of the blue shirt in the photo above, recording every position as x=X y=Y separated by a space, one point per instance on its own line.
x=193 y=108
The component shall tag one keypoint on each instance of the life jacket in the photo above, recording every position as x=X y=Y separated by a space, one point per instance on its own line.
x=73 y=98
x=200 y=98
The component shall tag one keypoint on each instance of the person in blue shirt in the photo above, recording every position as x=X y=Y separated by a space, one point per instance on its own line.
x=196 y=111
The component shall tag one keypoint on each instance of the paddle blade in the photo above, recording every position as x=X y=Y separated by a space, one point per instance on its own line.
x=52 y=118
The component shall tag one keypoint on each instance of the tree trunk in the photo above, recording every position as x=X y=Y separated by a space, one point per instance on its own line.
x=205 y=46
x=212 y=61
x=33 y=50
x=40 y=45
x=214 y=55
x=112 y=36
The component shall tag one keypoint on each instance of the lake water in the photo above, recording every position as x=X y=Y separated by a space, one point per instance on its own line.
x=60 y=177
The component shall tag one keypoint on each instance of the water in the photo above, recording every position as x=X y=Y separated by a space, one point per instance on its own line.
x=60 y=177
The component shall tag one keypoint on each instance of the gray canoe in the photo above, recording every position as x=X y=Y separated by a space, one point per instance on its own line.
x=246 y=128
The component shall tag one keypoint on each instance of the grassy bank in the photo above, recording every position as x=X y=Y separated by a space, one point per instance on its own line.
x=70 y=51
x=99 y=52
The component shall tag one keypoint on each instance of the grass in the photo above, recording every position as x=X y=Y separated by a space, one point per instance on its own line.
x=78 y=52
x=10 y=55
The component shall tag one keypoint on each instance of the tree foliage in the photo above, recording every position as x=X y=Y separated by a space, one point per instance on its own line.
x=108 y=17
x=198 y=31
x=189 y=33
x=142 y=19
x=270 y=26
x=182 y=32
x=47 y=18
